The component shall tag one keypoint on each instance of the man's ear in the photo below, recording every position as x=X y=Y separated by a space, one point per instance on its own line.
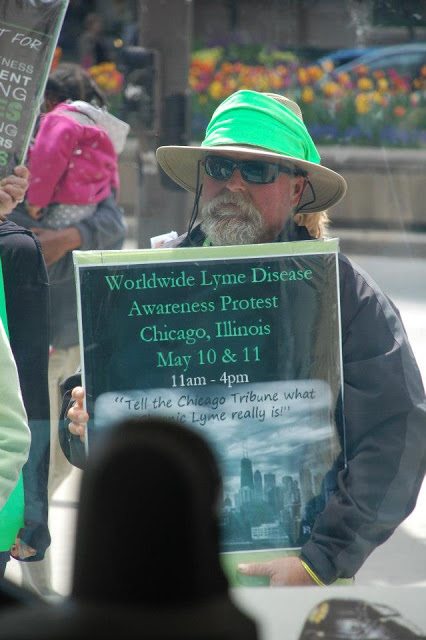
x=299 y=185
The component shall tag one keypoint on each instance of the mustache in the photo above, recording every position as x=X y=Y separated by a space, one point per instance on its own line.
x=217 y=206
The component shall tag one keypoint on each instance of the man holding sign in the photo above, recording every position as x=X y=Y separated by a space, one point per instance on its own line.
x=257 y=178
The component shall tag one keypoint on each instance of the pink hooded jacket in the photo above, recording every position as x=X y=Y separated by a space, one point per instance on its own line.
x=71 y=162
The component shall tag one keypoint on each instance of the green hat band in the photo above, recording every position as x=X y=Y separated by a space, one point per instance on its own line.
x=252 y=118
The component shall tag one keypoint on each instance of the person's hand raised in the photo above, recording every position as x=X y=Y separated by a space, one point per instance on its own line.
x=21 y=550
x=77 y=414
x=12 y=190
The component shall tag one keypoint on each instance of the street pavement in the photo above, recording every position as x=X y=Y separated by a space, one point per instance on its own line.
x=402 y=559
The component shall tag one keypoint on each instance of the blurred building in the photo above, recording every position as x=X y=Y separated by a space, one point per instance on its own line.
x=302 y=25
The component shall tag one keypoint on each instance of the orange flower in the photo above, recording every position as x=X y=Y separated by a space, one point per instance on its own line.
x=282 y=69
x=315 y=72
x=330 y=89
x=107 y=77
x=198 y=66
x=227 y=67
x=344 y=79
x=361 y=69
x=275 y=81
x=399 y=111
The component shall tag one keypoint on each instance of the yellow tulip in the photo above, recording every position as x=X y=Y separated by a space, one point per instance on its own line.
x=365 y=83
x=303 y=76
x=215 y=90
x=362 y=103
x=382 y=84
x=308 y=95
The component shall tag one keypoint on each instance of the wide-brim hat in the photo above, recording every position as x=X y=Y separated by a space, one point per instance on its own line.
x=265 y=125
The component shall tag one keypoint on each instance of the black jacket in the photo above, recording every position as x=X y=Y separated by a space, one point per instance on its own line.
x=27 y=302
x=385 y=425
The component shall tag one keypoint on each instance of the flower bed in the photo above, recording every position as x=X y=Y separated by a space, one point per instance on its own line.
x=111 y=81
x=368 y=108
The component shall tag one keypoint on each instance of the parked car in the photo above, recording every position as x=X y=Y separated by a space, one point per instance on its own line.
x=341 y=56
x=406 y=59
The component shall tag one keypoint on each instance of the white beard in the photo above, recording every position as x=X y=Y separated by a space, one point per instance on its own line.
x=230 y=218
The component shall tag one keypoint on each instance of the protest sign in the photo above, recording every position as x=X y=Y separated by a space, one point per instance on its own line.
x=29 y=31
x=241 y=343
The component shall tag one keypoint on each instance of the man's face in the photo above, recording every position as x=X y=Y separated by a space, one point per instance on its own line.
x=238 y=212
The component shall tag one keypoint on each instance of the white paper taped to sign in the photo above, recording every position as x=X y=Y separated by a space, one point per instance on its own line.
x=302 y=405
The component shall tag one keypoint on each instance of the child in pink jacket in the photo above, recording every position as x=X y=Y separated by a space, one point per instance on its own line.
x=73 y=161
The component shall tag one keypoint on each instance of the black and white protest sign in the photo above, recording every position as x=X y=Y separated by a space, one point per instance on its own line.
x=29 y=31
x=240 y=343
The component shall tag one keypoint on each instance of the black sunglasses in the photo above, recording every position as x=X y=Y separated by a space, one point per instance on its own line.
x=252 y=171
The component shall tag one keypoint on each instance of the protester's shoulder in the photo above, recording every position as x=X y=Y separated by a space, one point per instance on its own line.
x=13 y=236
x=20 y=252
x=363 y=300
x=356 y=279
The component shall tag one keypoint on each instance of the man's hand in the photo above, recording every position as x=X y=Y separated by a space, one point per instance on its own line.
x=78 y=416
x=33 y=211
x=13 y=189
x=56 y=243
x=281 y=572
x=21 y=550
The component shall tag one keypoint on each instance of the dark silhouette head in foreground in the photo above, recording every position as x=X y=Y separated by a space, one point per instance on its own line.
x=147 y=561
x=148 y=504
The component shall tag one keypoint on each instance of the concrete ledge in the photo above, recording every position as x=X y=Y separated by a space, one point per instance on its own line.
x=385 y=186
x=380 y=242
x=378 y=158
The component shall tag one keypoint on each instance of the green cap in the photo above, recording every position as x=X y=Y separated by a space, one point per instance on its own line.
x=276 y=128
